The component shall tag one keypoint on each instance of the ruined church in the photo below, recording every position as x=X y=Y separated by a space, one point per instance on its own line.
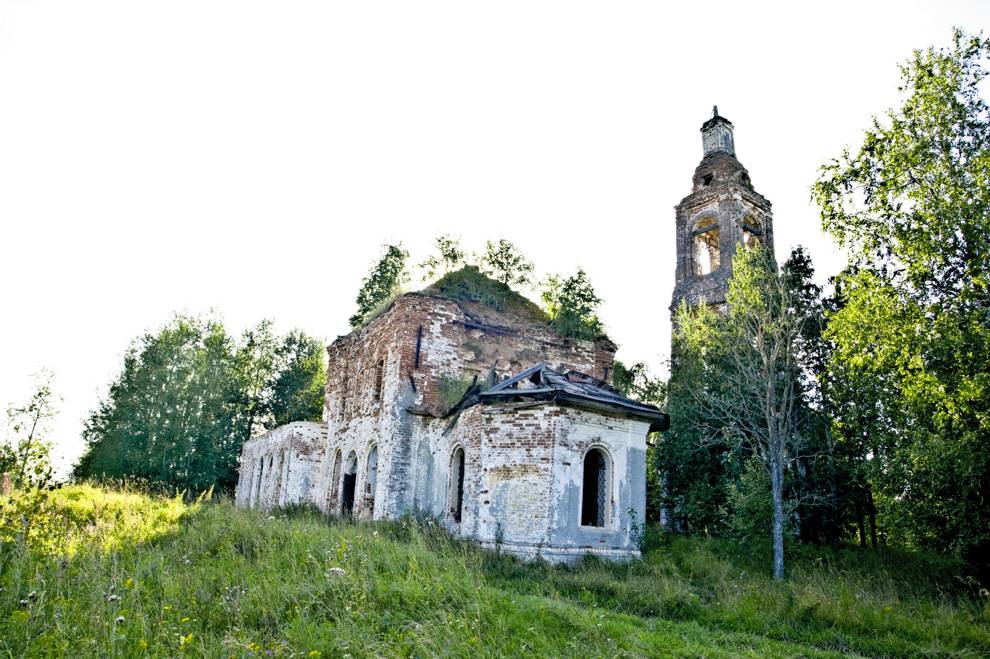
x=460 y=401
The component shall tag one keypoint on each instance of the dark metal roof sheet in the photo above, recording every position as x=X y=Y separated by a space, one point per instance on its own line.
x=542 y=382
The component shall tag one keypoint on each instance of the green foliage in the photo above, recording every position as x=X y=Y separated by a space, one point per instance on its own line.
x=572 y=305
x=83 y=518
x=736 y=386
x=909 y=375
x=636 y=382
x=299 y=387
x=157 y=577
x=382 y=283
x=189 y=396
x=505 y=263
x=750 y=506
x=25 y=455
x=468 y=284
x=451 y=389
x=449 y=257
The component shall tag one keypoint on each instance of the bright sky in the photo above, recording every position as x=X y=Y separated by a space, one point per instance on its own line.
x=252 y=157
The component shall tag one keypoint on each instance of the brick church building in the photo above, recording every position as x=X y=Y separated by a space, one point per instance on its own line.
x=471 y=408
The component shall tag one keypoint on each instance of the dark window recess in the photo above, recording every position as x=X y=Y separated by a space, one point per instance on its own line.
x=608 y=370
x=595 y=491
x=708 y=179
x=343 y=393
x=457 y=478
x=419 y=343
x=379 y=375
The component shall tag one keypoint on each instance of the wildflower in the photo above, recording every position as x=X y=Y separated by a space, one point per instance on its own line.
x=336 y=571
x=113 y=598
x=32 y=595
x=24 y=602
x=314 y=653
x=119 y=619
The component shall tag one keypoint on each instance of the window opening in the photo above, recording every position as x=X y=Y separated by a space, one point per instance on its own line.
x=457 y=484
x=594 y=500
x=706 y=247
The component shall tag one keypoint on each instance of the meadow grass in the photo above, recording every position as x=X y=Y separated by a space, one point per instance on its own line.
x=154 y=576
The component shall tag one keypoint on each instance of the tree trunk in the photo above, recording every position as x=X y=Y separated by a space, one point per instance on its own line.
x=27 y=447
x=872 y=510
x=861 y=523
x=777 y=487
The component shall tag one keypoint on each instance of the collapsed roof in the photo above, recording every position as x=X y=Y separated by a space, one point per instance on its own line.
x=541 y=382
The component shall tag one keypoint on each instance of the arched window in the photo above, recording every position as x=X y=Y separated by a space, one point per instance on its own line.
x=280 y=478
x=371 y=477
x=256 y=495
x=595 y=494
x=350 y=481
x=379 y=379
x=707 y=252
x=456 y=494
x=752 y=231
x=333 y=487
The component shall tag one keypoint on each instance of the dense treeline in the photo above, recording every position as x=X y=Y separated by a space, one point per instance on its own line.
x=861 y=414
x=189 y=395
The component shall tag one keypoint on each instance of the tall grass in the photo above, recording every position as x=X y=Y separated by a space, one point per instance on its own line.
x=152 y=575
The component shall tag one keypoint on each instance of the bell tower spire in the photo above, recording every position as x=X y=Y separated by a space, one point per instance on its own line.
x=722 y=212
x=716 y=135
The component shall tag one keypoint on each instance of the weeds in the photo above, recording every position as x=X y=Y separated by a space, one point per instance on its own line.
x=154 y=575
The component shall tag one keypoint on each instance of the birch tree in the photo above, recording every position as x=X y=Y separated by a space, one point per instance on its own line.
x=746 y=379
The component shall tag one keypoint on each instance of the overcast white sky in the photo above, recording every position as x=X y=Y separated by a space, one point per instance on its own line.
x=252 y=157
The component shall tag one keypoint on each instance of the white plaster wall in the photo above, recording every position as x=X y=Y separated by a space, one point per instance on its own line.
x=291 y=459
x=514 y=483
x=624 y=441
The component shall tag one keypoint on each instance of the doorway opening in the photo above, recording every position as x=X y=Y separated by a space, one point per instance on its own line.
x=350 y=480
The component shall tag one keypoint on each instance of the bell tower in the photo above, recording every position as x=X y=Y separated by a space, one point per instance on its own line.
x=722 y=211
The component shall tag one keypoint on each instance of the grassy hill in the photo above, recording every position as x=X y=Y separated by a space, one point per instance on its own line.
x=117 y=573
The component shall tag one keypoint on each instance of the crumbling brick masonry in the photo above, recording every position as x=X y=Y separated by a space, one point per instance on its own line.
x=547 y=461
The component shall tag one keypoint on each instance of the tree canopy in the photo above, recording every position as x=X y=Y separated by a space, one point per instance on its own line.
x=381 y=284
x=736 y=388
x=506 y=263
x=572 y=305
x=189 y=395
x=911 y=328
x=448 y=257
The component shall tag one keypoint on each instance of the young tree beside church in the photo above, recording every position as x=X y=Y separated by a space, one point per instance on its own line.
x=737 y=379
